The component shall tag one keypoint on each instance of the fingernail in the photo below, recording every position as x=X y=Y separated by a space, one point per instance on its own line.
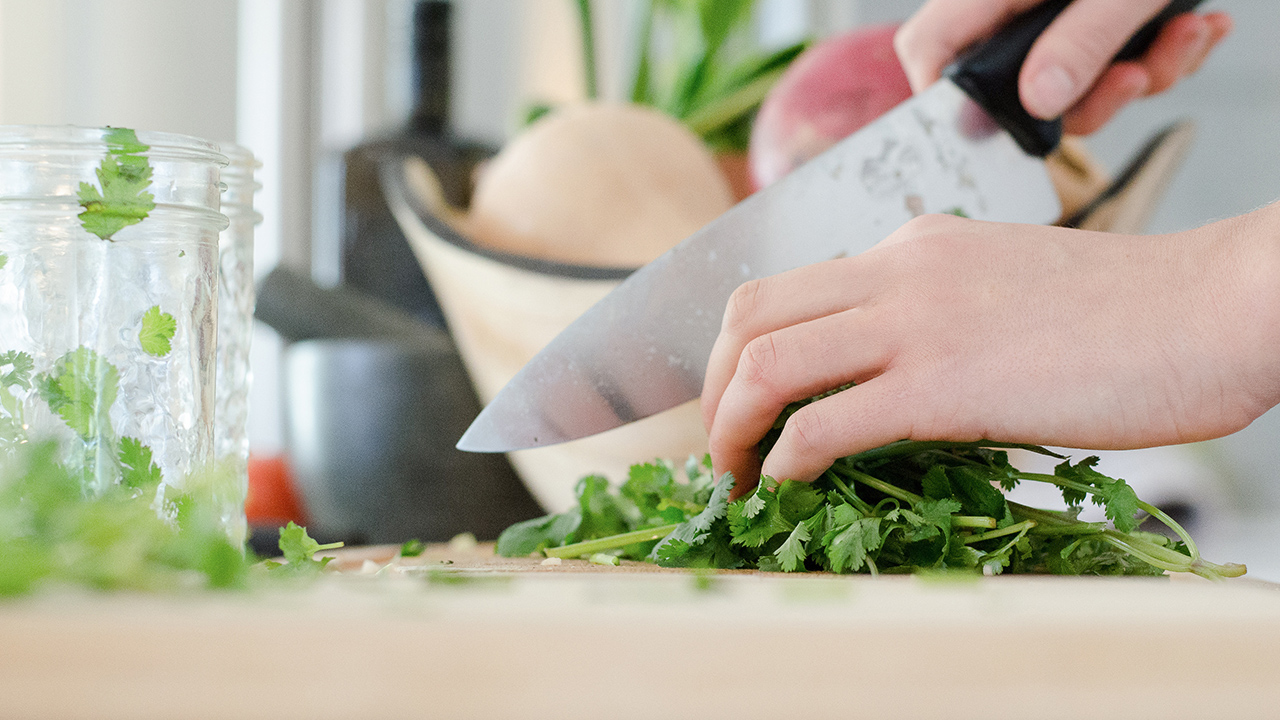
x=1051 y=92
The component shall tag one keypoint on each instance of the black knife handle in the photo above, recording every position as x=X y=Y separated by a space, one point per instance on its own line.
x=989 y=72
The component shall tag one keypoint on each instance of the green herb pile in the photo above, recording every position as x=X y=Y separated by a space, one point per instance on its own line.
x=54 y=533
x=905 y=507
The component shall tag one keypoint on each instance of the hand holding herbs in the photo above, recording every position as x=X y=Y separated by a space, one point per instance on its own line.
x=958 y=329
x=905 y=507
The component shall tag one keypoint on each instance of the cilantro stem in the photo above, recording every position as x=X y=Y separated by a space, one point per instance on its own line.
x=613 y=542
x=973 y=521
x=1146 y=507
x=1015 y=529
x=849 y=495
x=876 y=483
x=1172 y=524
x=912 y=447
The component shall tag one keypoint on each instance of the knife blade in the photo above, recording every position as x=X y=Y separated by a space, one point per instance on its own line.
x=965 y=145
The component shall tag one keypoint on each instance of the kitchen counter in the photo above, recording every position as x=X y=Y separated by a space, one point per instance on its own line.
x=460 y=633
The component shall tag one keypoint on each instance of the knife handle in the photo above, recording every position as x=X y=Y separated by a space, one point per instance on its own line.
x=989 y=72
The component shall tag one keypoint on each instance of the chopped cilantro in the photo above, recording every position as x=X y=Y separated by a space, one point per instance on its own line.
x=158 y=329
x=299 y=550
x=412 y=548
x=4 y=260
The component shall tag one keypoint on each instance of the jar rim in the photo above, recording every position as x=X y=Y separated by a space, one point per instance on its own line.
x=74 y=138
x=61 y=206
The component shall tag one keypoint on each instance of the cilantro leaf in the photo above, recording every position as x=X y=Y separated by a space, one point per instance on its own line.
x=4 y=260
x=1120 y=504
x=601 y=514
x=702 y=540
x=20 y=366
x=798 y=501
x=531 y=536
x=299 y=549
x=1119 y=501
x=123 y=176
x=413 y=548
x=792 y=552
x=136 y=462
x=81 y=388
x=158 y=329
x=975 y=492
x=754 y=520
x=848 y=548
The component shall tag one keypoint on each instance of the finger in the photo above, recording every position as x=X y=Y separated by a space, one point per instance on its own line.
x=1220 y=26
x=763 y=306
x=1075 y=50
x=866 y=416
x=1179 y=51
x=1120 y=85
x=935 y=34
x=1179 y=46
x=790 y=364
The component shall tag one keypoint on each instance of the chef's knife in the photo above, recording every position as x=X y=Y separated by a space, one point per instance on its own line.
x=965 y=145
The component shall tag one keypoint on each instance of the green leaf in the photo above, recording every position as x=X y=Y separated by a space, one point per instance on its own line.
x=20 y=367
x=601 y=514
x=718 y=18
x=414 y=547
x=848 y=549
x=4 y=260
x=136 y=462
x=299 y=550
x=754 y=520
x=158 y=329
x=648 y=484
x=703 y=540
x=792 y=552
x=121 y=198
x=1117 y=498
x=81 y=388
x=532 y=536
x=975 y=492
x=1120 y=503
x=798 y=501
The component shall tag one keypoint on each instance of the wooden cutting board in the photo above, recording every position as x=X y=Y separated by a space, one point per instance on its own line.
x=462 y=634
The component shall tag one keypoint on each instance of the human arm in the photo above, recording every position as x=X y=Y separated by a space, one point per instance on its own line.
x=963 y=330
x=1069 y=69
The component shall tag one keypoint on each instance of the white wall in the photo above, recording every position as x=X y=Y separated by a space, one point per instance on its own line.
x=154 y=64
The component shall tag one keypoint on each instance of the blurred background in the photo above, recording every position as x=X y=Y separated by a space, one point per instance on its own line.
x=320 y=90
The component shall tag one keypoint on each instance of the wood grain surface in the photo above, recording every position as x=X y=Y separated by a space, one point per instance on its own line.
x=461 y=634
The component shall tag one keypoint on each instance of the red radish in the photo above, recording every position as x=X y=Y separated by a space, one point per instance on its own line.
x=829 y=92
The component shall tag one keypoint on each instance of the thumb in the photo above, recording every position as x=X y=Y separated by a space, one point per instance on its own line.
x=1076 y=49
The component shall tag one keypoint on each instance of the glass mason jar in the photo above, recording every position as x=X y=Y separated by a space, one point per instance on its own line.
x=108 y=302
x=236 y=299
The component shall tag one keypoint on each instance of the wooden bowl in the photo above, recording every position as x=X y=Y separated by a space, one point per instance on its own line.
x=502 y=309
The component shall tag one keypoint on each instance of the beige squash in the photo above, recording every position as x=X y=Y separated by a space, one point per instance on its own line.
x=598 y=184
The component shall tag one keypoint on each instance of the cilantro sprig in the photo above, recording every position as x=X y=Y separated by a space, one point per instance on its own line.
x=157 y=331
x=121 y=198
